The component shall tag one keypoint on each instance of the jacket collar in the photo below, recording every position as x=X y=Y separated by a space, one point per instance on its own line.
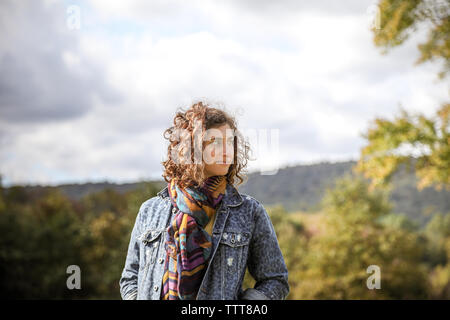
x=232 y=196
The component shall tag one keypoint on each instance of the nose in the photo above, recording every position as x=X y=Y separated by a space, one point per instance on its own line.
x=227 y=154
x=227 y=158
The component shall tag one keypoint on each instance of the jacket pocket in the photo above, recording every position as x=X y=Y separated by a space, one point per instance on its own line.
x=235 y=239
x=233 y=252
x=150 y=241
x=234 y=246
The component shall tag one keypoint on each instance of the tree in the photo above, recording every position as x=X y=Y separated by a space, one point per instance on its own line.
x=438 y=230
x=398 y=19
x=381 y=157
x=39 y=241
x=354 y=239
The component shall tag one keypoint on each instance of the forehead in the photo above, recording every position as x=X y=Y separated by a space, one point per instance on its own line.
x=219 y=131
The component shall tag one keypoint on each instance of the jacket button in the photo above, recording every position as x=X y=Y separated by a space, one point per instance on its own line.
x=155 y=288
x=160 y=260
x=173 y=210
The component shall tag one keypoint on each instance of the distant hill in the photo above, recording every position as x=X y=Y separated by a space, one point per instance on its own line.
x=300 y=188
x=297 y=188
x=78 y=190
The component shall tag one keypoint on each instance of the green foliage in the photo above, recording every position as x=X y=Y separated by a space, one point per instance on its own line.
x=45 y=232
x=398 y=221
x=357 y=229
x=381 y=157
x=401 y=18
x=438 y=231
x=301 y=188
x=38 y=242
x=439 y=226
x=337 y=260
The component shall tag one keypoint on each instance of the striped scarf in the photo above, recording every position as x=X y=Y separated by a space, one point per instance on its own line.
x=188 y=246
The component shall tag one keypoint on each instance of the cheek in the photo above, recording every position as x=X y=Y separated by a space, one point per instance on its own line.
x=214 y=153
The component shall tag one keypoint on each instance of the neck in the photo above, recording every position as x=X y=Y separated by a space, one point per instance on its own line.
x=212 y=183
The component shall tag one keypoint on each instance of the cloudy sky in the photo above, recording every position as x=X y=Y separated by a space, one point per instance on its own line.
x=87 y=88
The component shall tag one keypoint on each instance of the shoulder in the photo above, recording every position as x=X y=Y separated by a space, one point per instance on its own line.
x=248 y=199
x=252 y=204
x=151 y=207
x=152 y=203
x=256 y=216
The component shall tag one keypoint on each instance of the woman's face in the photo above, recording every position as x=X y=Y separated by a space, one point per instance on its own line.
x=218 y=153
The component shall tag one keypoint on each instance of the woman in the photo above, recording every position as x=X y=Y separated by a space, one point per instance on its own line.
x=196 y=237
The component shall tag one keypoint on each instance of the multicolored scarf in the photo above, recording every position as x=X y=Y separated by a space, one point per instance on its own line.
x=188 y=246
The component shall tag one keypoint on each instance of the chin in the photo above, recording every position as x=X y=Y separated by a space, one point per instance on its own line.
x=219 y=169
x=222 y=171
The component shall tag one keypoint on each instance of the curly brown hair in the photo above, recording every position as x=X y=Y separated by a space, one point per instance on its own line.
x=190 y=125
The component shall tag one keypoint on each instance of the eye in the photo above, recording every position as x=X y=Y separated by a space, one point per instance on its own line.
x=219 y=141
x=210 y=140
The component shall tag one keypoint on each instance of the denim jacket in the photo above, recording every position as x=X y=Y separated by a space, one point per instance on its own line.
x=243 y=236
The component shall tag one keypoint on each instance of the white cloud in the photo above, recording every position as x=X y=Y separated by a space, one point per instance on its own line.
x=309 y=69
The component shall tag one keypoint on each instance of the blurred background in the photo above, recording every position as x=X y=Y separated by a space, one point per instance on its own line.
x=357 y=91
